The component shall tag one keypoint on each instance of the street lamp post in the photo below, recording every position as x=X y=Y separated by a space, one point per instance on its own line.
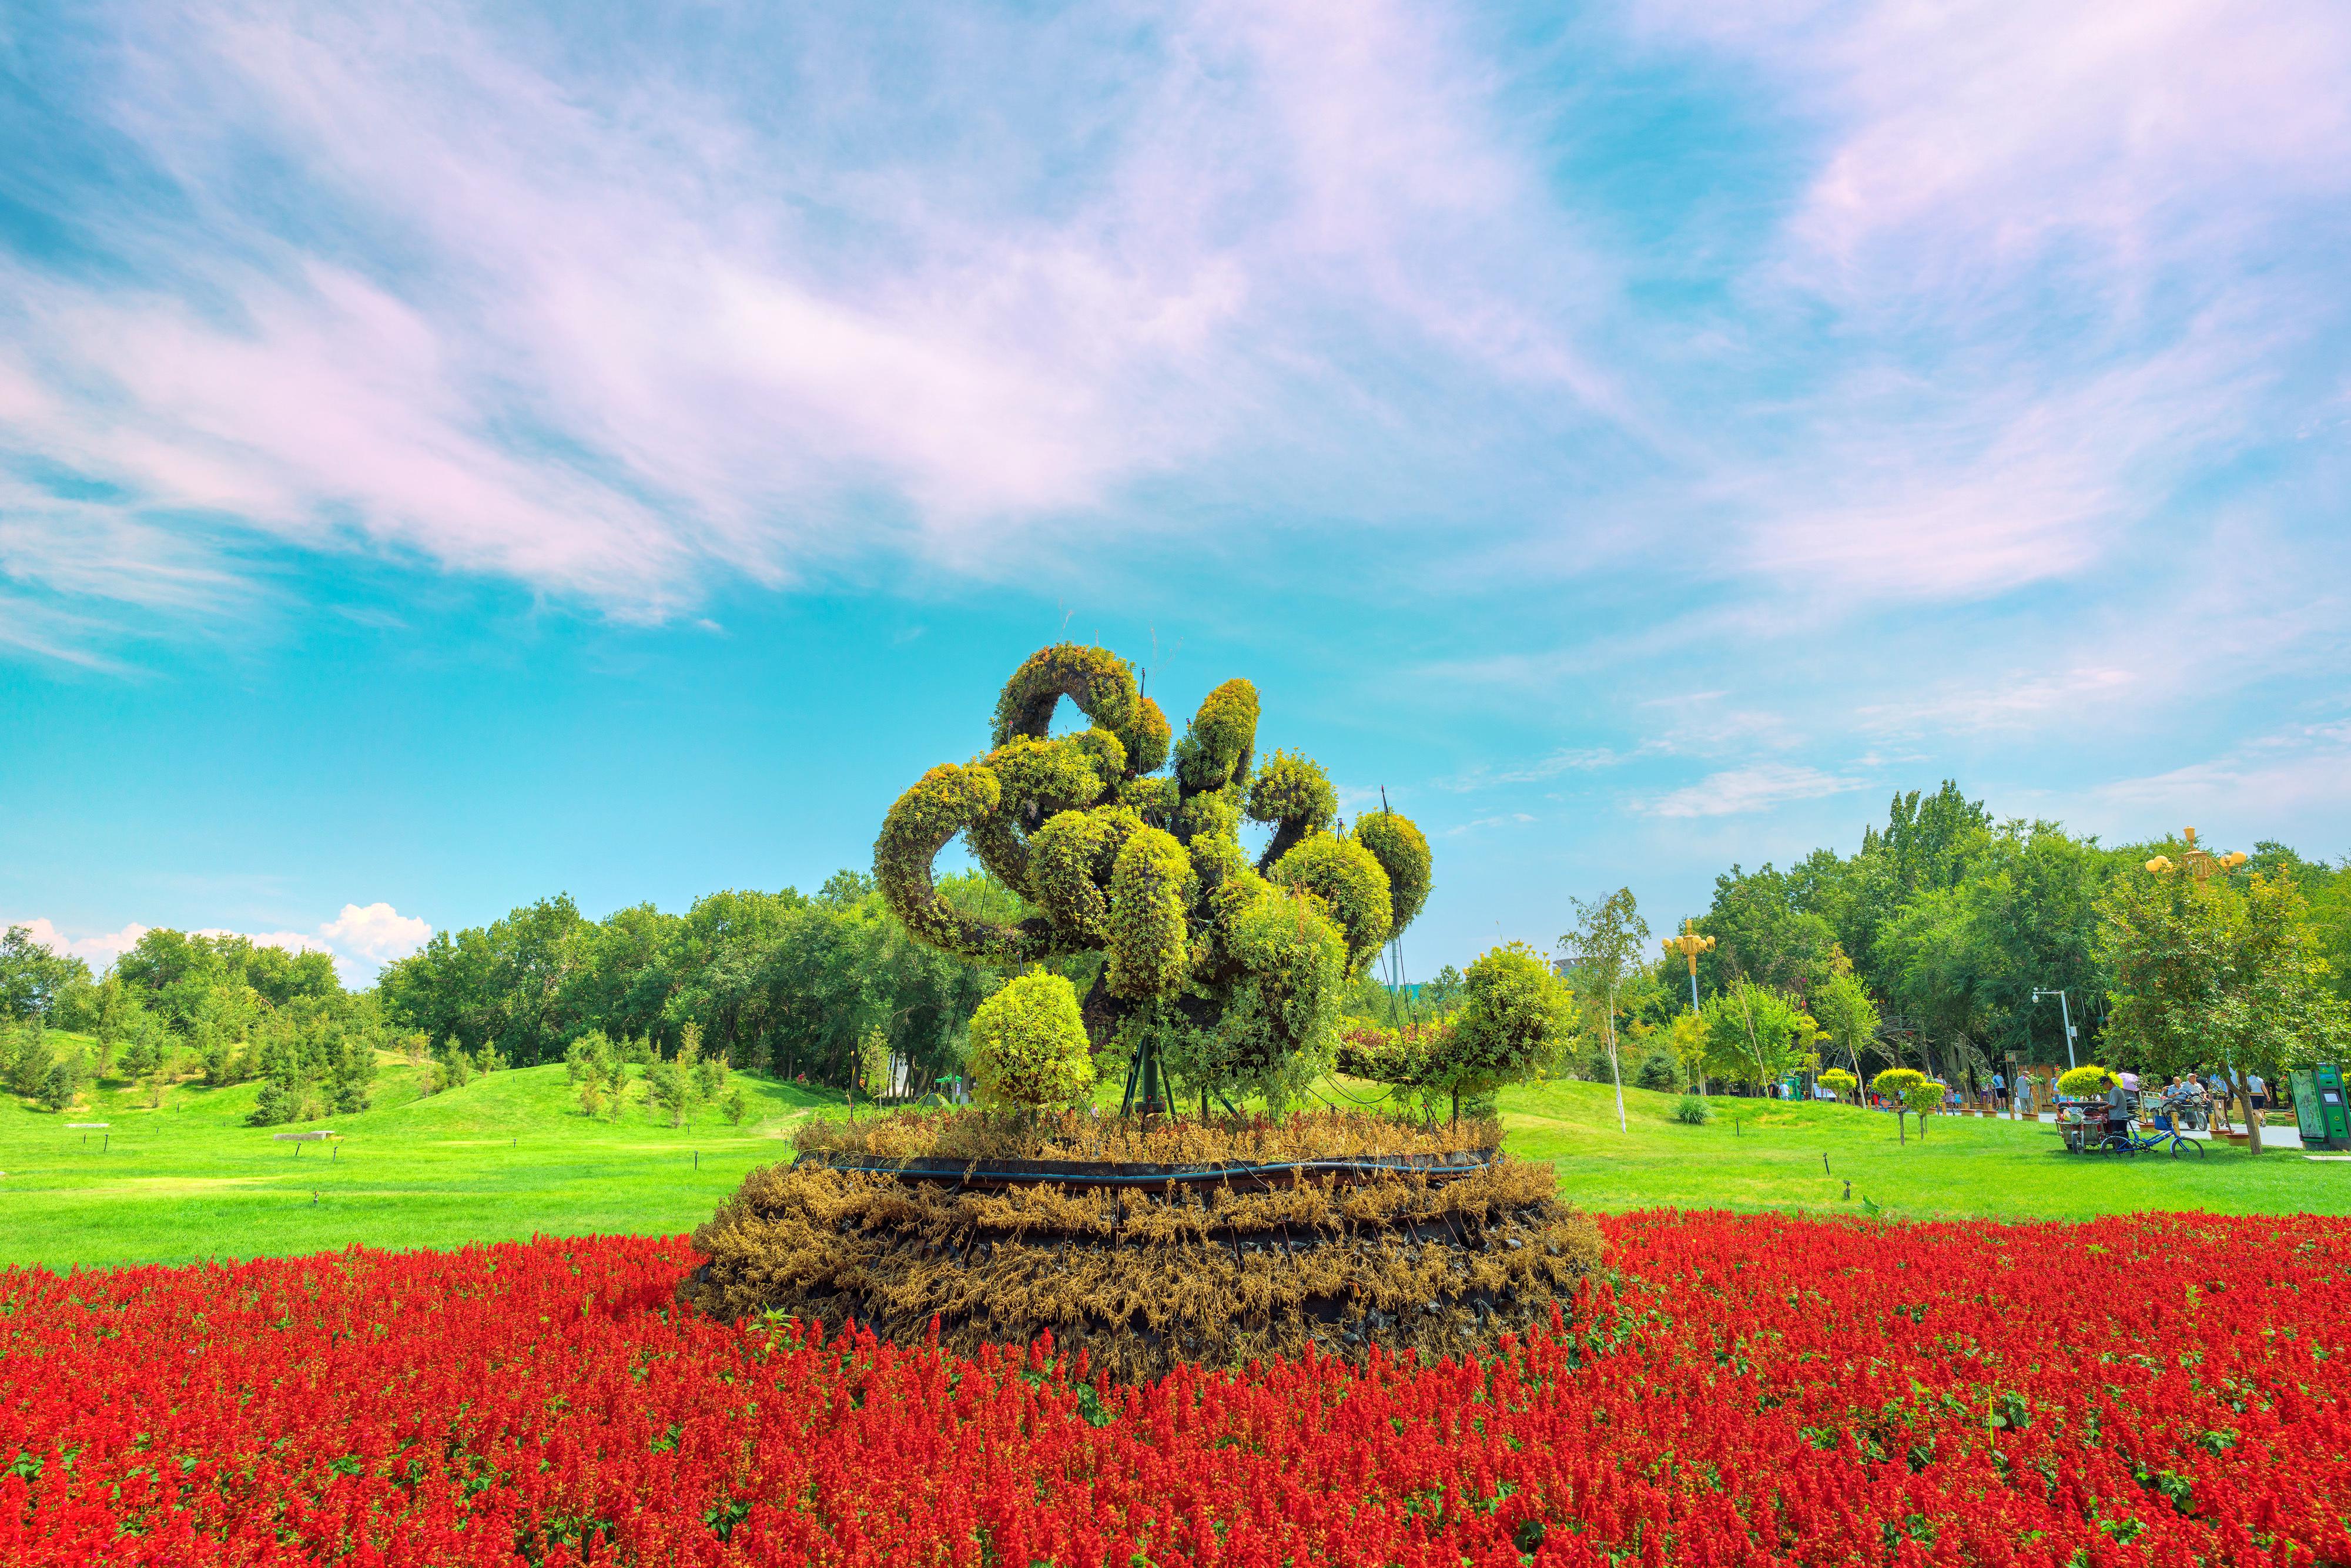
x=2064 y=1013
x=1689 y=945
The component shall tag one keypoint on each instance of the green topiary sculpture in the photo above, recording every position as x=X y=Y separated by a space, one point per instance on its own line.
x=1146 y=1241
x=1225 y=973
x=1029 y=1044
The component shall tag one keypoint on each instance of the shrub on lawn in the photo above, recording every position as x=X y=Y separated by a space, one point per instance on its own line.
x=1911 y=1089
x=1690 y=1111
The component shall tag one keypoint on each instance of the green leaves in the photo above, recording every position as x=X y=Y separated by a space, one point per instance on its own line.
x=1029 y=1044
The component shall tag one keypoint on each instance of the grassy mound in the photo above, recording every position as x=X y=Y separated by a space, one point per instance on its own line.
x=1142 y=1277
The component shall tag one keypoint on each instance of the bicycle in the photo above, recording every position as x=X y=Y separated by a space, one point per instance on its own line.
x=2169 y=1135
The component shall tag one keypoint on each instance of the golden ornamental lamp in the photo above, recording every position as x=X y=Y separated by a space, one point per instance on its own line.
x=2196 y=861
x=1689 y=945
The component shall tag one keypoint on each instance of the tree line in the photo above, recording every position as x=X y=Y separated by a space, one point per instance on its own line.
x=784 y=983
x=1938 y=944
x=217 y=1006
x=1923 y=948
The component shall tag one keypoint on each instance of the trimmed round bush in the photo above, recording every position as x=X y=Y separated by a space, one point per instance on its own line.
x=1293 y=794
x=1215 y=750
x=1402 y=851
x=1513 y=1021
x=1029 y=1044
x=1840 y=1082
x=1349 y=880
x=2082 y=1081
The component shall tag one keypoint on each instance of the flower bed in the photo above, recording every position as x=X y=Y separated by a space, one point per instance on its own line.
x=1739 y=1389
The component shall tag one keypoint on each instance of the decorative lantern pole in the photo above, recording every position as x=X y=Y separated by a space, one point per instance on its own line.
x=1689 y=945
x=2196 y=861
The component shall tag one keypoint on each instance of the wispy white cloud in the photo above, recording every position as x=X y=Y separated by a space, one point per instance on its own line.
x=2023 y=699
x=1570 y=760
x=1499 y=819
x=2281 y=775
x=2058 y=252
x=615 y=335
x=1738 y=790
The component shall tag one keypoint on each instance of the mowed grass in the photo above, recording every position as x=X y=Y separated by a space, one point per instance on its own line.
x=1766 y=1154
x=507 y=1156
x=510 y=1156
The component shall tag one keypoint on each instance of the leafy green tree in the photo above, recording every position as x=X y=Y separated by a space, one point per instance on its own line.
x=1764 y=931
x=145 y=1049
x=1846 y=1015
x=32 y=975
x=30 y=1057
x=1606 y=947
x=1757 y=1036
x=667 y=1089
x=68 y=1072
x=1516 y=1021
x=1442 y=995
x=2205 y=970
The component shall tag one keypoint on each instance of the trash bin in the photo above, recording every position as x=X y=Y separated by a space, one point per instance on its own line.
x=2319 y=1110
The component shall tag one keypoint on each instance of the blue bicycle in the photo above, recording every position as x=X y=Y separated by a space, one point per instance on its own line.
x=2170 y=1112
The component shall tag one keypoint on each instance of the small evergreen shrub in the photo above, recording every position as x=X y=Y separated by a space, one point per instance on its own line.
x=1029 y=1044
x=1691 y=1111
x=1658 y=1072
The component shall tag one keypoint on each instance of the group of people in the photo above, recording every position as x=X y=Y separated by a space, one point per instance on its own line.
x=2189 y=1097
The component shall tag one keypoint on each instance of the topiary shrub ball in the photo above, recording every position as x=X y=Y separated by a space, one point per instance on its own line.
x=1029 y=1044
x=2081 y=1082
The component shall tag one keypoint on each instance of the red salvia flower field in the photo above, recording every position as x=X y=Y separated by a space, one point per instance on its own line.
x=1740 y=1389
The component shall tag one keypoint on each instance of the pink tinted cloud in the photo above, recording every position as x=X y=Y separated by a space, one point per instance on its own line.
x=620 y=346
x=2070 y=253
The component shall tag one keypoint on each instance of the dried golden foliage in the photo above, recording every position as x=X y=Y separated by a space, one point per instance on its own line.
x=1144 y=1277
x=1065 y=1135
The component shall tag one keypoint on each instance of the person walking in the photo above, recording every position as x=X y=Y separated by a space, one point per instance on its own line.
x=2257 y=1093
x=1999 y=1087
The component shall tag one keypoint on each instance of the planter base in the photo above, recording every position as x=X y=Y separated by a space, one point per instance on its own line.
x=1143 y=1276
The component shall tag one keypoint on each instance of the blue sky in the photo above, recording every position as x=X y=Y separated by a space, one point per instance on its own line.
x=449 y=455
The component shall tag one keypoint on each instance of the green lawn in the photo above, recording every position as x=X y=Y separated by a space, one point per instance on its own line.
x=510 y=1154
x=507 y=1155
x=1966 y=1168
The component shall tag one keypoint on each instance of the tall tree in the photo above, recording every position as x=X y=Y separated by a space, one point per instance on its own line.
x=1607 y=948
x=2204 y=971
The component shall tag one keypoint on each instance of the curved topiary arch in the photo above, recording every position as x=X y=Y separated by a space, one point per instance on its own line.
x=1229 y=970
